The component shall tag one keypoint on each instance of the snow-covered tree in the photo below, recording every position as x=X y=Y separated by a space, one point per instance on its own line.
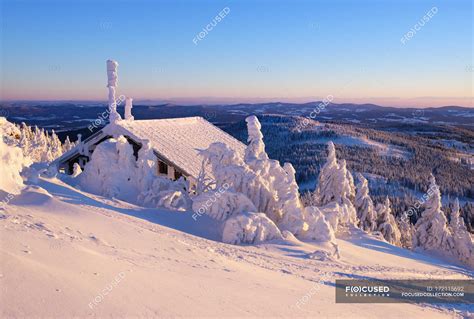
x=264 y=182
x=365 y=206
x=431 y=230
x=388 y=226
x=336 y=185
x=68 y=145
x=36 y=144
x=349 y=187
x=463 y=244
x=111 y=170
x=328 y=188
x=204 y=182
x=406 y=231
x=255 y=150
x=228 y=168
x=348 y=211
x=289 y=200
x=456 y=222
x=146 y=167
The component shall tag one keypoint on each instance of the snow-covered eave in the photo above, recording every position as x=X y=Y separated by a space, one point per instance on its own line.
x=76 y=150
x=69 y=154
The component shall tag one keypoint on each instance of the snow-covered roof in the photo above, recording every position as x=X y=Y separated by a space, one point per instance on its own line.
x=179 y=140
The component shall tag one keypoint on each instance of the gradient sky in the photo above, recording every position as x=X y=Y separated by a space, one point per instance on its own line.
x=261 y=51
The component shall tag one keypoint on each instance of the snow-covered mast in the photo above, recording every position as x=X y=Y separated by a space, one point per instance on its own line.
x=128 y=109
x=112 y=84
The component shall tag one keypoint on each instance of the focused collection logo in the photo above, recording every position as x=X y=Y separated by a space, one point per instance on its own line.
x=404 y=291
x=367 y=291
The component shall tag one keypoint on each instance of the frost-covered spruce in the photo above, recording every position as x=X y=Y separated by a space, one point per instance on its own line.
x=37 y=144
x=293 y=216
x=271 y=188
x=431 y=230
x=348 y=212
x=406 y=231
x=146 y=167
x=255 y=150
x=230 y=170
x=327 y=188
x=365 y=206
x=463 y=244
x=350 y=190
x=68 y=145
x=336 y=185
x=388 y=226
x=285 y=207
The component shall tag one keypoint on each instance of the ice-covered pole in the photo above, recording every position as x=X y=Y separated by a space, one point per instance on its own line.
x=128 y=109
x=112 y=84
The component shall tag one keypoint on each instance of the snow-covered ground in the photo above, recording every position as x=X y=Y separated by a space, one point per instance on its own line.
x=66 y=253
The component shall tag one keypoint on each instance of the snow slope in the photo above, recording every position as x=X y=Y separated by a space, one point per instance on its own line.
x=66 y=253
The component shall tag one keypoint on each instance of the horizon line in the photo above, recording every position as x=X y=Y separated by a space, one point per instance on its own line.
x=190 y=102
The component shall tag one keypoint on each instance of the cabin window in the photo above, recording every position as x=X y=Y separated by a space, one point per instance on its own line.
x=162 y=168
x=177 y=175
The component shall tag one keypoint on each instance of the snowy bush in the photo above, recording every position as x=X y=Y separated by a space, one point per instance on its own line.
x=161 y=187
x=318 y=228
x=250 y=228
x=172 y=199
x=332 y=211
x=222 y=204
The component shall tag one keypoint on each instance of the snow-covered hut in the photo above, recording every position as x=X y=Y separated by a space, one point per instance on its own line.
x=175 y=142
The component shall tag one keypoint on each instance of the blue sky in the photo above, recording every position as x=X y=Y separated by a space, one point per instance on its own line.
x=261 y=51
